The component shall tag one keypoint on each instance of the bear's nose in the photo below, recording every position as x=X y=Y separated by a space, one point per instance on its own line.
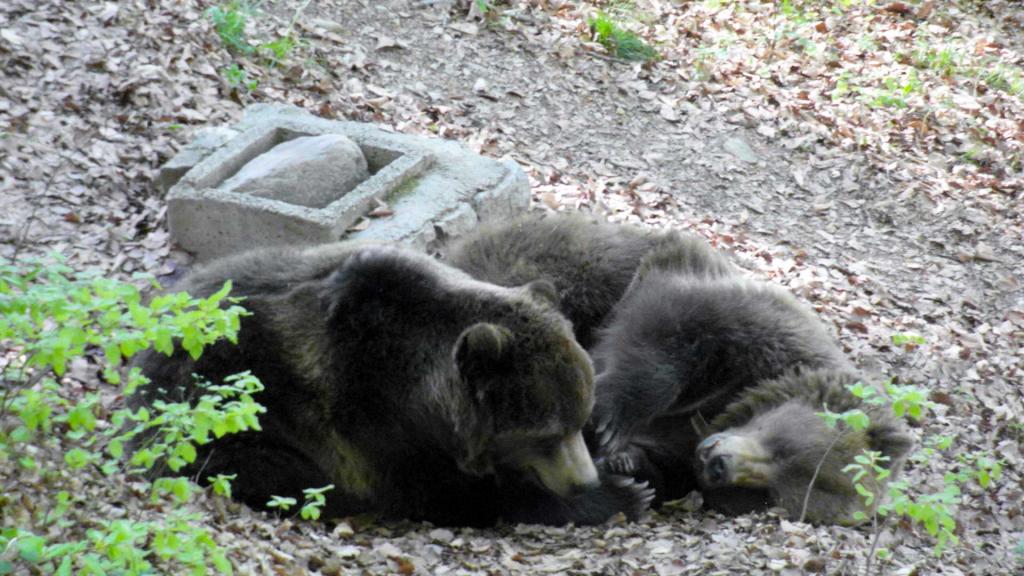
x=717 y=470
x=568 y=468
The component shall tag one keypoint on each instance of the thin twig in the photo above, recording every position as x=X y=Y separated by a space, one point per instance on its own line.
x=817 y=470
x=23 y=236
x=295 y=18
x=874 y=542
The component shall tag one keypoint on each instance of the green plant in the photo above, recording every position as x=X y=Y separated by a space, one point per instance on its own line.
x=315 y=501
x=64 y=444
x=887 y=499
x=619 y=41
x=278 y=49
x=282 y=503
x=229 y=22
x=221 y=484
x=894 y=92
x=842 y=87
x=236 y=77
x=902 y=339
x=945 y=61
x=795 y=14
x=1004 y=78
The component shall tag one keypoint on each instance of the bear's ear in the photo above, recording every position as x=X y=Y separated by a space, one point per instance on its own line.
x=892 y=440
x=482 y=348
x=546 y=291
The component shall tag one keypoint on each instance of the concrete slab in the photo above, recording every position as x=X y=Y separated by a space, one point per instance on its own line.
x=434 y=188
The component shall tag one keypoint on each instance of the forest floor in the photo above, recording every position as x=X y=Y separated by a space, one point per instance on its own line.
x=866 y=155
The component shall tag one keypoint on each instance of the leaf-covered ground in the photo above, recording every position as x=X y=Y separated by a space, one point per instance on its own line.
x=867 y=155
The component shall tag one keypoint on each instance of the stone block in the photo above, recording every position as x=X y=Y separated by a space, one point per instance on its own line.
x=434 y=188
x=309 y=171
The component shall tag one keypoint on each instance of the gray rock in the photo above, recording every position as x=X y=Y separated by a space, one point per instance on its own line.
x=309 y=171
x=739 y=148
x=442 y=535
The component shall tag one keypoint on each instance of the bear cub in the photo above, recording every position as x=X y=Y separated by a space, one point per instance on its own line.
x=416 y=390
x=680 y=339
x=590 y=263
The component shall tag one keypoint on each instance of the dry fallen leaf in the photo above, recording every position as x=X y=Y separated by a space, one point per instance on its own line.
x=388 y=43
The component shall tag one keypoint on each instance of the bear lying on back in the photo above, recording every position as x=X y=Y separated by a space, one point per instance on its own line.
x=414 y=389
x=748 y=357
x=687 y=339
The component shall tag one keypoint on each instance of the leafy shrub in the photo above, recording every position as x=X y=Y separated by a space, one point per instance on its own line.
x=64 y=444
x=229 y=22
x=894 y=499
x=618 y=41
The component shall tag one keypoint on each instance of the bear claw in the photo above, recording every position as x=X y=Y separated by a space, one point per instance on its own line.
x=621 y=463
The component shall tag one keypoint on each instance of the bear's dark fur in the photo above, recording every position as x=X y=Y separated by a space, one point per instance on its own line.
x=414 y=389
x=590 y=263
x=688 y=340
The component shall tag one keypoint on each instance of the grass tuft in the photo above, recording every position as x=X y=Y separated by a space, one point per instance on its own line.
x=619 y=41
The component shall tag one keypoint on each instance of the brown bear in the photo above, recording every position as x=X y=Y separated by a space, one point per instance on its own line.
x=688 y=341
x=416 y=390
x=590 y=263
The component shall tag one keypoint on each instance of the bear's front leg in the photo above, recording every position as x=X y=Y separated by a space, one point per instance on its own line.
x=592 y=506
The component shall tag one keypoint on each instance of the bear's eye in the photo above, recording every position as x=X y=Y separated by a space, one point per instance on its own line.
x=524 y=442
x=547 y=446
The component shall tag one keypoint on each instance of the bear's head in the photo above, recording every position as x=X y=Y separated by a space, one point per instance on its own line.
x=528 y=388
x=493 y=375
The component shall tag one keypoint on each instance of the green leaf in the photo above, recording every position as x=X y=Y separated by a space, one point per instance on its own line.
x=282 y=502
x=279 y=48
x=182 y=489
x=856 y=419
x=860 y=390
x=868 y=495
x=144 y=457
x=81 y=417
x=77 y=458
x=112 y=352
x=30 y=548
x=186 y=451
x=162 y=340
x=222 y=484
x=175 y=463
x=220 y=562
x=65 y=567
x=902 y=339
